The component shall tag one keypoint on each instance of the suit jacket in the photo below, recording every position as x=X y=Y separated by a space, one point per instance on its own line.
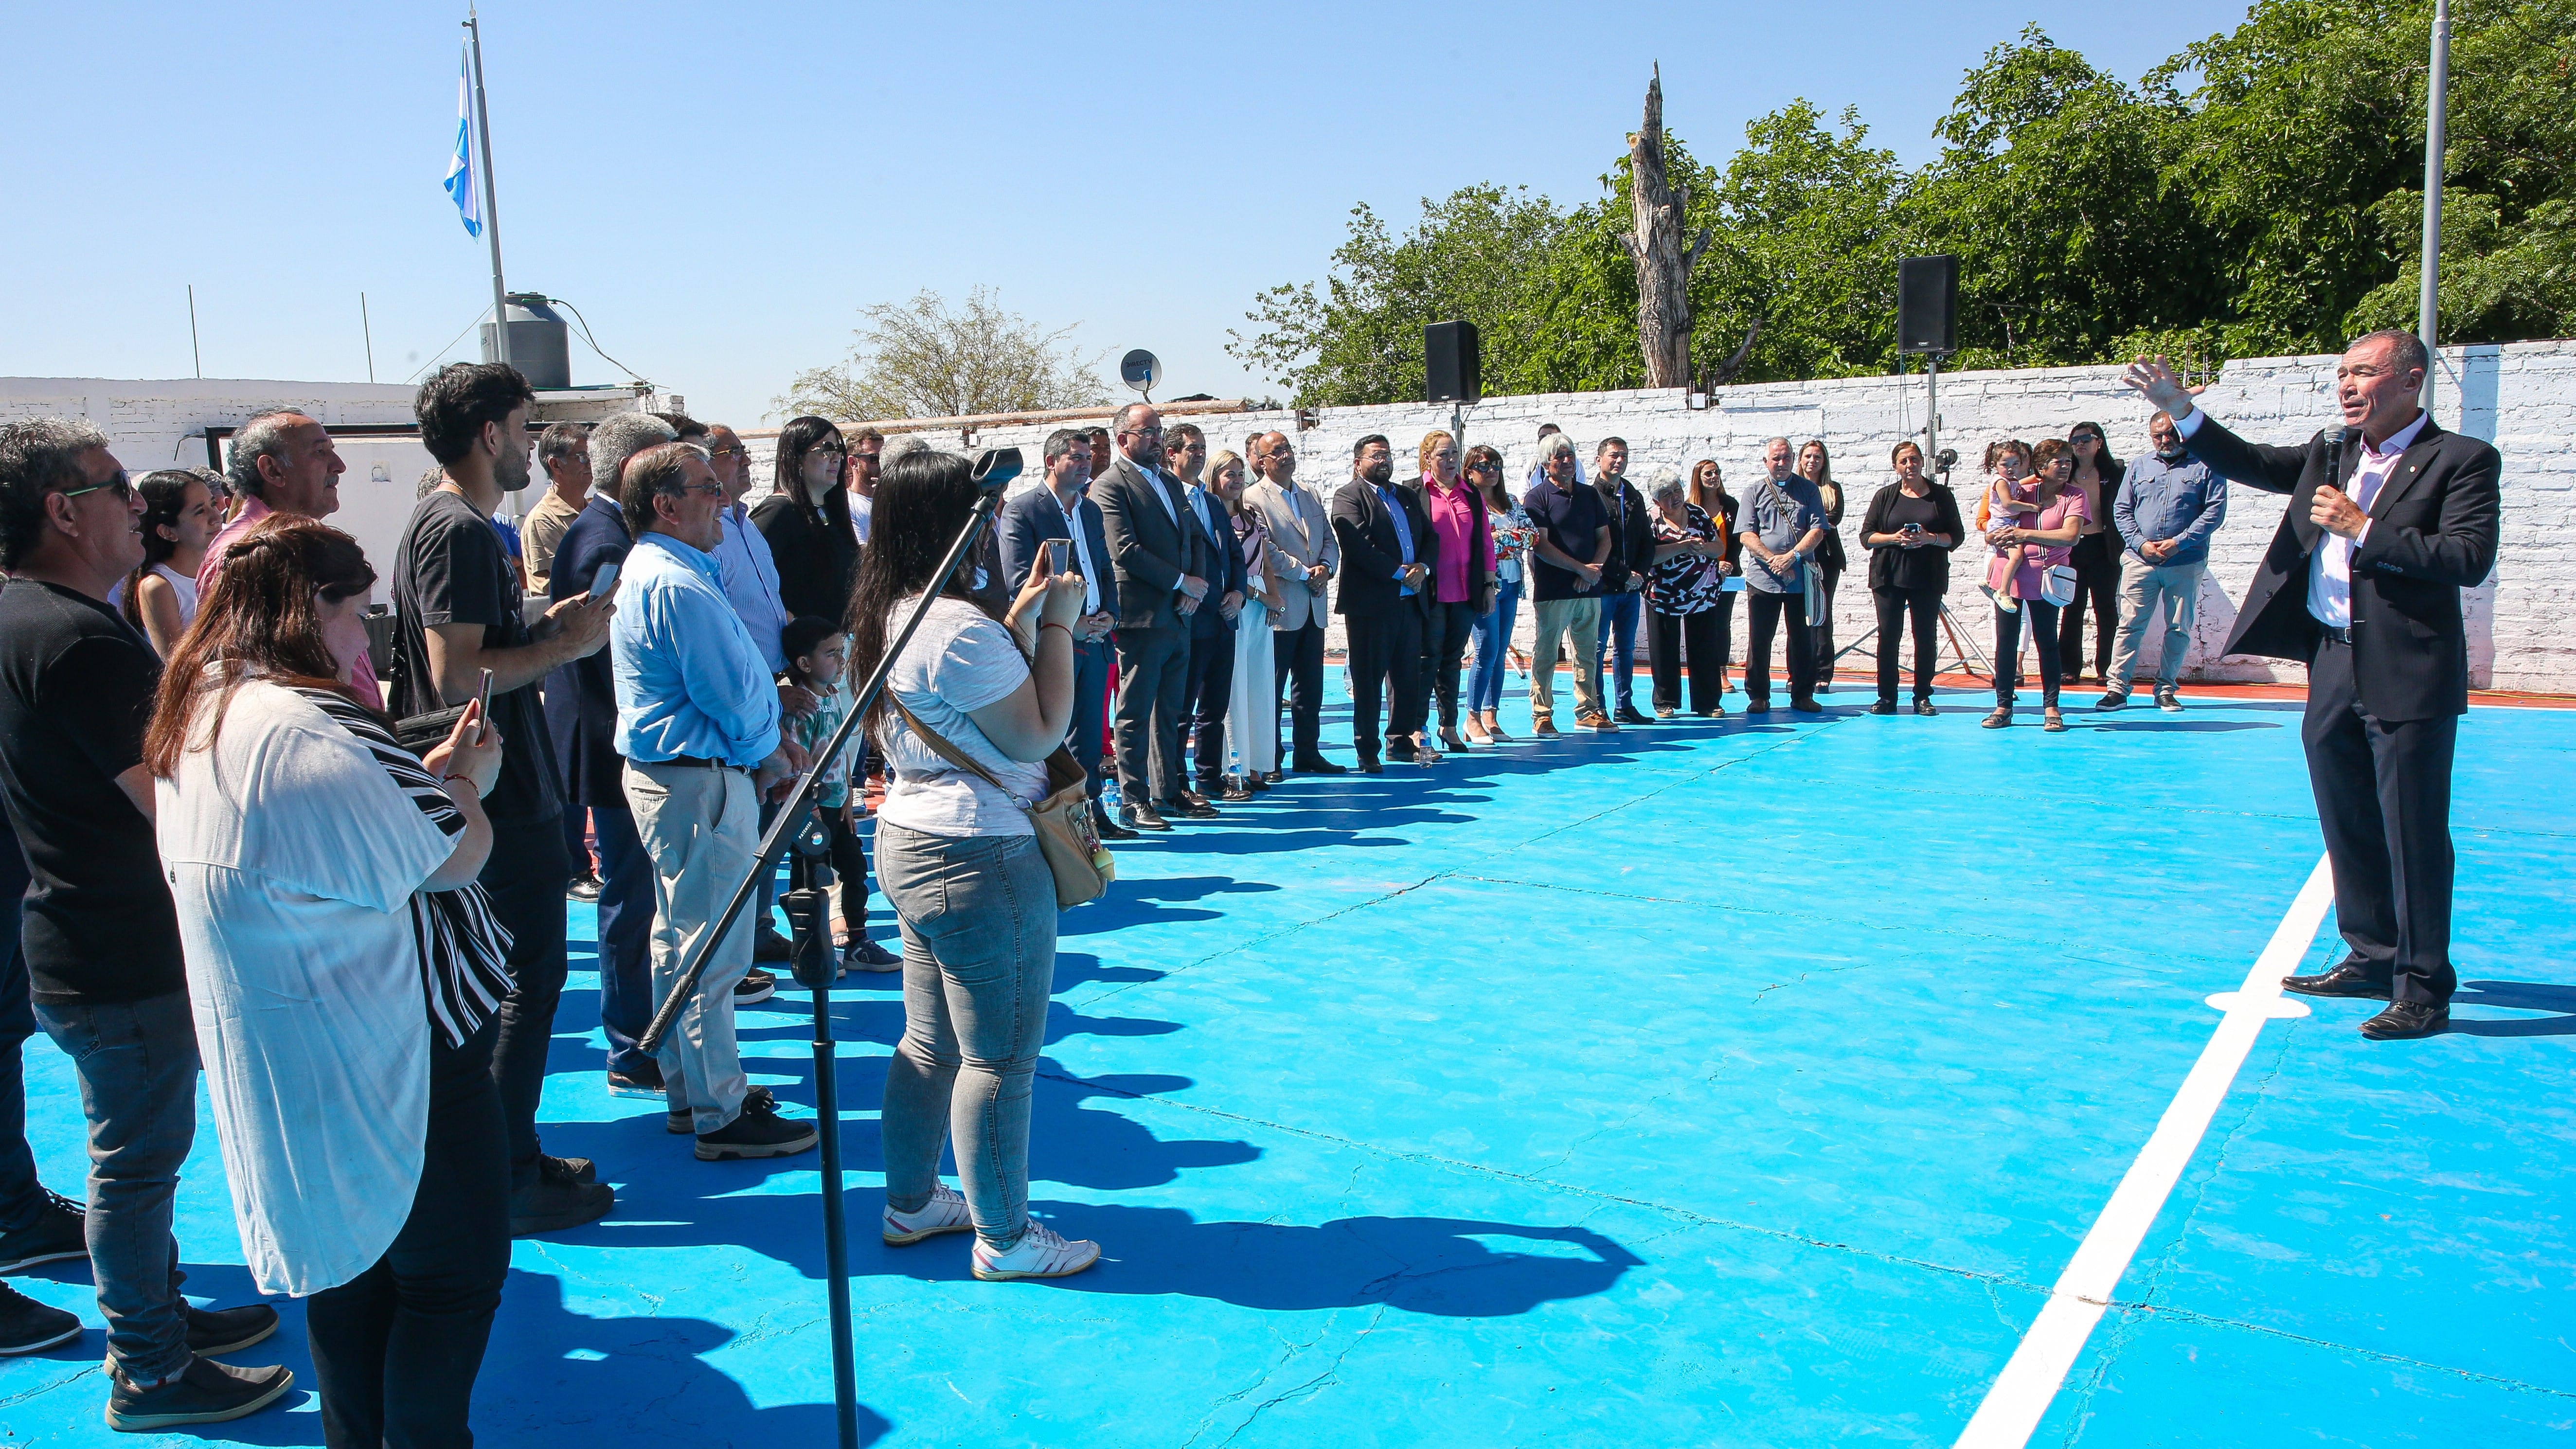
x=1031 y=518
x=1227 y=573
x=2432 y=533
x=581 y=697
x=1371 y=552
x=818 y=558
x=1301 y=534
x=1150 y=547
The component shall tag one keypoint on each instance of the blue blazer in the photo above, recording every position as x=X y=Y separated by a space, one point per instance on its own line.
x=1031 y=518
x=581 y=697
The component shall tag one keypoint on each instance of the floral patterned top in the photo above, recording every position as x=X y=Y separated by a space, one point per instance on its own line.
x=1686 y=583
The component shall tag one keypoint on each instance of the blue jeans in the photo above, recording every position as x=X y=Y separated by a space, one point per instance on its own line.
x=1493 y=648
x=979 y=919
x=138 y=1084
x=1619 y=618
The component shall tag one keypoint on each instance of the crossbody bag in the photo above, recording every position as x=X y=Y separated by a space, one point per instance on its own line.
x=1067 y=837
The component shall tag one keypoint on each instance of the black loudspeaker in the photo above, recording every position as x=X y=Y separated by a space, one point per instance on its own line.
x=1927 y=304
x=1451 y=371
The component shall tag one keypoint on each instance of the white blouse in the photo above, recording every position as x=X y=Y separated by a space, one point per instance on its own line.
x=292 y=857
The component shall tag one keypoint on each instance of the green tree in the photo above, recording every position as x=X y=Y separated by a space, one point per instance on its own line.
x=921 y=359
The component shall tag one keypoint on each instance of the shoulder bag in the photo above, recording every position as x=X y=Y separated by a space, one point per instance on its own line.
x=1066 y=835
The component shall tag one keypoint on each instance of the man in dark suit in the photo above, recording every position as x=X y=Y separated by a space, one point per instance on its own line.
x=581 y=715
x=1162 y=571
x=1211 y=686
x=2389 y=518
x=1029 y=522
x=1388 y=550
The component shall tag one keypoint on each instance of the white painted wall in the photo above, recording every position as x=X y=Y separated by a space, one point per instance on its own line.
x=2520 y=396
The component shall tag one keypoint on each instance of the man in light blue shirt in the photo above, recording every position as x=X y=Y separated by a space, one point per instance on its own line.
x=2168 y=507
x=698 y=726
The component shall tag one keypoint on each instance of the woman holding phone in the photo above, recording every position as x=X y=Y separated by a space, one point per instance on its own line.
x=1911 y=526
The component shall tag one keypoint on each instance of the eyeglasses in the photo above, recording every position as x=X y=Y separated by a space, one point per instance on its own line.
x=724 y=452
x=712 y=490
x=828 y=451
x=1482 y=468
x=123 y=483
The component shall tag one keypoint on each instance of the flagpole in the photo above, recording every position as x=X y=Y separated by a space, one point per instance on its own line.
x=491 y=204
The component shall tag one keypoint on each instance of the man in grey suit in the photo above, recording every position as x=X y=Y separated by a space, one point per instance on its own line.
x=1047 y=514
x=1162 y=572
x=1305 y=557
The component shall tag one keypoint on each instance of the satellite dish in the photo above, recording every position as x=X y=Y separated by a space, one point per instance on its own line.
x=1140 y=370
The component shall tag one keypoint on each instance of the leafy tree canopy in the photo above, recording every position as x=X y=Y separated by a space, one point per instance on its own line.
x=2259 y=192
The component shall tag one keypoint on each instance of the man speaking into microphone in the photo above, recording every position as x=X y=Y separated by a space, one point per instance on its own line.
x=2389 y=518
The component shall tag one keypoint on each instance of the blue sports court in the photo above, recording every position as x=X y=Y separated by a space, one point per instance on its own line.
x=1719 y=1083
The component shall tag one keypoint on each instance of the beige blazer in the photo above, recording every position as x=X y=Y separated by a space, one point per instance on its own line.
x=1301 y=535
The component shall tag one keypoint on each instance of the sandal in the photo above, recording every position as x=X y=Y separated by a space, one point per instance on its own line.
x=2052 y=721
x=2000 y=718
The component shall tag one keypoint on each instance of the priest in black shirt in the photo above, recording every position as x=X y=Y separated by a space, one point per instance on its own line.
x=101 y=936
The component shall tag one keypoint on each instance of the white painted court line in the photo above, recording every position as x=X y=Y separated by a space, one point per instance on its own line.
x=2022 y=1393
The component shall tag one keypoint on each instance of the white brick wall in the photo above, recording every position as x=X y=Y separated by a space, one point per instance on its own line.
x=2520 y=396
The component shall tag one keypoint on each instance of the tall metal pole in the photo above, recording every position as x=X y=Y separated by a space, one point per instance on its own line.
x=2436 y=108
x=194 y=352
x=1932 y=411
x=491 y=202
x=368 y=333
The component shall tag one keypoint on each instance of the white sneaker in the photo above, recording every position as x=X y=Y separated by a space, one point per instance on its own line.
x=944 y=1213
x=1041 y=1254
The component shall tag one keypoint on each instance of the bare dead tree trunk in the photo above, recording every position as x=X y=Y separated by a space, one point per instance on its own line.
x=1663 y=263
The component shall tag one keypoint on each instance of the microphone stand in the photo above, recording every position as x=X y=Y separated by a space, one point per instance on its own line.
x=994 y=471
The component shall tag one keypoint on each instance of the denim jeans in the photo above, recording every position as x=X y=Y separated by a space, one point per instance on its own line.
x=396 y=1349
x=979 y=919
x=625 y=938
x=1619 y=648
x=138 y=1084
x=1493 y=648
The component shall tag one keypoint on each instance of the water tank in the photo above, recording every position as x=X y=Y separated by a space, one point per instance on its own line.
x=540 y=343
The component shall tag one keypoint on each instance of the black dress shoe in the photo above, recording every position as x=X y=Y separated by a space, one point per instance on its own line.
x=1191 y=805
x=1277 y=776
x=1884 y=706
x=1143 y=817
x=2346 y=979
x=1926 y=707
x=1109 y=828
x=1806 y=704
x=1321 y=766
x=2407 y=1020
x=1627 y=714
x=584 y=887
x=1371 y=767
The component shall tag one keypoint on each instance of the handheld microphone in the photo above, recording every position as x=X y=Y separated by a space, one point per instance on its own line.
x=2335 y=438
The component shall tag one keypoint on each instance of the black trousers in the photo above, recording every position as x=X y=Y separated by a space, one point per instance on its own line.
x=1723 y=651
x=1769 y=612
x=1386 y=674
x=2097 y=582
x=525 y=877
x=1668 y=637
x=1153 y=690
x=1823 y=633
x=1895 y=607
x=2043 y=639
x=1299 y=657
x=1444 y=645
x=1211 y=688
x=2383 y=791
x=396 y=1349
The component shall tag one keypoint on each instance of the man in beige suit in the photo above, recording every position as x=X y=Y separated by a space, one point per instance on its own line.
x=1305 y=556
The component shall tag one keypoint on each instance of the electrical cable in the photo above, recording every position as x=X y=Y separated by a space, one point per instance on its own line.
x=631 y=374
x=450 y=342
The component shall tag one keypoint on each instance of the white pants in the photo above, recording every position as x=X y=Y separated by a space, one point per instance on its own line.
x=702 y=827
x=1252 y=715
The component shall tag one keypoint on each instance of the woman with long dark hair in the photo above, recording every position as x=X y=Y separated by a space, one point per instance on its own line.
x=160 y=596
x=2035 y=542
x=1509 y=524
x=1817 y=467
x=971 y=711
x=2096 y=559
x=345 y=970
x=1707 y=493
x=807 y=521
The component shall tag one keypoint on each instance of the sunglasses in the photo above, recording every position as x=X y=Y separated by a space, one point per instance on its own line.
x=123 y=483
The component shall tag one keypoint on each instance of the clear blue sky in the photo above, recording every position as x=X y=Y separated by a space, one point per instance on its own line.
x=720 y=188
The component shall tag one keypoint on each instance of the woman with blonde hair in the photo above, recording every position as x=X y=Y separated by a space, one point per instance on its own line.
x=1251 y=740
x=1707 y=493
x=1509 y=524
x=1817 y=467
x=1462 y=579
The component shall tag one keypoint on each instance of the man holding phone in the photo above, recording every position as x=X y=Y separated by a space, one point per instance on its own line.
x=457 y=602
x=1044 y=520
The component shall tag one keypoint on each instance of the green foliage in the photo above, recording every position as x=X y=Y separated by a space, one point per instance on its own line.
x=2257 y=193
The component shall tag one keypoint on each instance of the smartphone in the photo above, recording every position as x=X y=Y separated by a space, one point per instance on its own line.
x=1057 y=549
x=483 y=709
x=604 y=580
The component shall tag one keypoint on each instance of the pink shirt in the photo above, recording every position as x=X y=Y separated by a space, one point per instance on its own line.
x=1459 y=525
x=2037 y=559
x=362 y=677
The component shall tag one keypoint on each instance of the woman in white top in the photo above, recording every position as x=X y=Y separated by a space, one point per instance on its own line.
x=344 y=969
x=959 y=858
x=160 y=596
x=1251 y=737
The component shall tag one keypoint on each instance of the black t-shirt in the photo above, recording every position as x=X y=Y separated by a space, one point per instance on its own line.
x=1573 y=521
x=76 y=687
x=1913 y=569
x=452 y=569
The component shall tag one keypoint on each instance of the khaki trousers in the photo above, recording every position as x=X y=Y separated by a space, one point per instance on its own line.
x=1558 y=620
x=701 y=825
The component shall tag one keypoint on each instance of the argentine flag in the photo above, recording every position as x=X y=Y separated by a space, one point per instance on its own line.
x=462 y=184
